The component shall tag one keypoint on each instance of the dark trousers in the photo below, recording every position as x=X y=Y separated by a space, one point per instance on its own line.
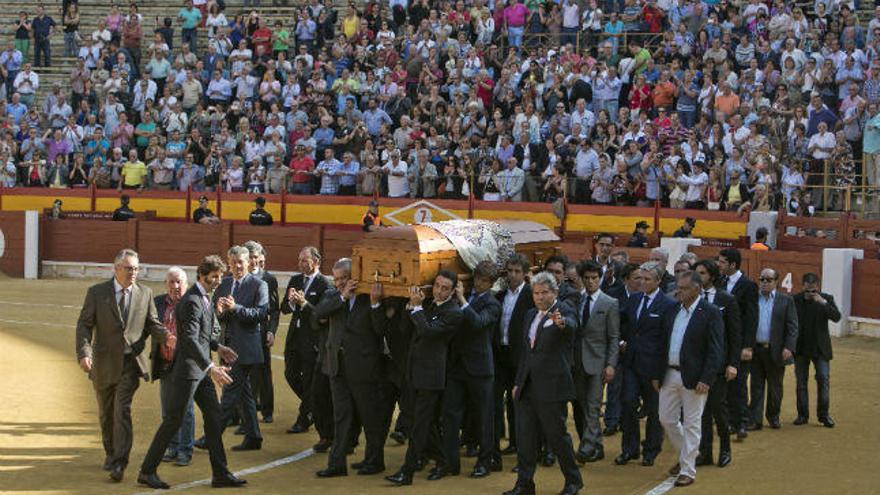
x=715 y=410
x=635 y=386
x=205 y=396
x=322 y=403
x=425 y=436
x=261 y=384
x=114 y=412
x=354 y=399
x=536 y=419
x=473 y=394
x=505 y=375
x=738 y=397
x=765 y=372
x=182 y=441
x=237 y=393
x=612 y=401
x=41 y=48
x=299 y=365
x=802 y=373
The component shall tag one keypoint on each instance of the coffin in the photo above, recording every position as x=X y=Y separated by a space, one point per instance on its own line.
x=401 y=257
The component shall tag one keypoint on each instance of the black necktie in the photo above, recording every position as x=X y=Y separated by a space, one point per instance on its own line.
x=234 y=288
x=645 y=300
x=585 y=317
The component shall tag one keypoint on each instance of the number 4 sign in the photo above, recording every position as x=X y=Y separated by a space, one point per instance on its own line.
x=786 y=282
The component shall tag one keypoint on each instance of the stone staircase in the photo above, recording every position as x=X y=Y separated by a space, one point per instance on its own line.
x=92 y=10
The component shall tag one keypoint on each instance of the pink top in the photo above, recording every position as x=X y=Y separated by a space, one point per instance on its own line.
x=516 y=15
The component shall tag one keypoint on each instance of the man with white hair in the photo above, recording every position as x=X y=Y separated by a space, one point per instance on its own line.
x=179 y=450
x=661 y=256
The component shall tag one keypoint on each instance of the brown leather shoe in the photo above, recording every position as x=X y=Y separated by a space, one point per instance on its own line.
x=674 y=470
x=684 y=480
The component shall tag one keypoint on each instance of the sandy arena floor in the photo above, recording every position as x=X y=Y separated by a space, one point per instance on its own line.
x=50 y=442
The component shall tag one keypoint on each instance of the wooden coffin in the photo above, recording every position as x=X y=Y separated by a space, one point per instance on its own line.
x=404 y=256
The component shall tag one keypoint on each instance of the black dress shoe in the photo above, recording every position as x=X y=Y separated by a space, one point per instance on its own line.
x=117 y=473
x=548 y=459
x=298 y=428
x=800 y=420
x=228 y=480
x=248 y=445
x=358 y=465
x=496 y=466
x=183 y=460
x=108 y=464
x=775 y=424
x=741 y=433
x=268 y=419
x=754 y=427
x=332 y=472
x=683 y=480
x=400 y=478
x=610 y=430
x=480 y=471
x=398 y=436
x=522 y=488
x=323 y=445
x=369 y=470
x=570 y=489
x=595 y=455
x=648 y=461
x=624 y=458
x=703 y=460
x=200 y=443
x=827 y=422
x=724 y=458
x=152 y=481
x=509 y=450
x=440 y=473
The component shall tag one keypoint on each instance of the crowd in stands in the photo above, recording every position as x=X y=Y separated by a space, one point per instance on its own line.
x=730 y=105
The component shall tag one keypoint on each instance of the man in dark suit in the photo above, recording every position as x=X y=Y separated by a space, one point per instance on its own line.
x=194 y=375
x=775 y=343
x=661 y=255
x=469 y=376
x=353 y=360
x=180 y=448
x=544 y=386
x=242 y=302
x=604 y=246
x=555 y=265
x=694 y=349
x=115 y=320
x=595 y=354
x=300 y=347
x=745 y=291
x=716 y=407
x=515 y=301
x=631 y=276
x=814 y=309
x=431 y=324
x=396 y=391
x=261 y=382
x=640 y=359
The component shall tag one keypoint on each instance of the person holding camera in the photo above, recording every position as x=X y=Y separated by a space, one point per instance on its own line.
x=815 y=309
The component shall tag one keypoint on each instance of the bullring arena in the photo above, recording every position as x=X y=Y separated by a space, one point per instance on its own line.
x=49 y=437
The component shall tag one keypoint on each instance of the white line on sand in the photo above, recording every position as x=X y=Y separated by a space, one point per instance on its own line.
x=45 y=324
x=663 y=487
x=251 y=470
x=39 y=305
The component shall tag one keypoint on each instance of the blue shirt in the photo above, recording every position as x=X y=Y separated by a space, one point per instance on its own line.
x=329 y=180
x=765 y=316
x=871 y=141
x=374 y=120
x=42 y=26
x=323 y=136
x=16 y=111
x=349 y=173
x=678 y=329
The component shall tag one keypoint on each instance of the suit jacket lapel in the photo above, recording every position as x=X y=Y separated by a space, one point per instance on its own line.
x=134 y=296
x=114 y=306
x=543 y=321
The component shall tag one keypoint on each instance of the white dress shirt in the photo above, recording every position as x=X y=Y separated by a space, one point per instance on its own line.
x=678 y=328
x=510 y=298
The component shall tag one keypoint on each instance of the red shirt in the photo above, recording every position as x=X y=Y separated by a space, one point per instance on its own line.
x=266 y=35
x=299 y=166
x=485 y=94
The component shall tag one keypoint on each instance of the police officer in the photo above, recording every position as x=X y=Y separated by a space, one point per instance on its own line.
x=260 y=216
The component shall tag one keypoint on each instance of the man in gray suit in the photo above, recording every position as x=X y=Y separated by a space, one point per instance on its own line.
x=242 y=303
x=596 y=349
x=113 y=325
x=775 y=343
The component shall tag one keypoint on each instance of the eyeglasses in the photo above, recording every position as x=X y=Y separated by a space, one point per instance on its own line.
x=767 y=279
x=131 y=269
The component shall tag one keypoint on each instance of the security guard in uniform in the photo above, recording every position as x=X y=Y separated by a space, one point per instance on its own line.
x=260 y=216
x=371 y=220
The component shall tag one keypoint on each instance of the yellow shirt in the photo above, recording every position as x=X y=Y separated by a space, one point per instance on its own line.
x=350 y=26
x=733 y=195
x=134 y=173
